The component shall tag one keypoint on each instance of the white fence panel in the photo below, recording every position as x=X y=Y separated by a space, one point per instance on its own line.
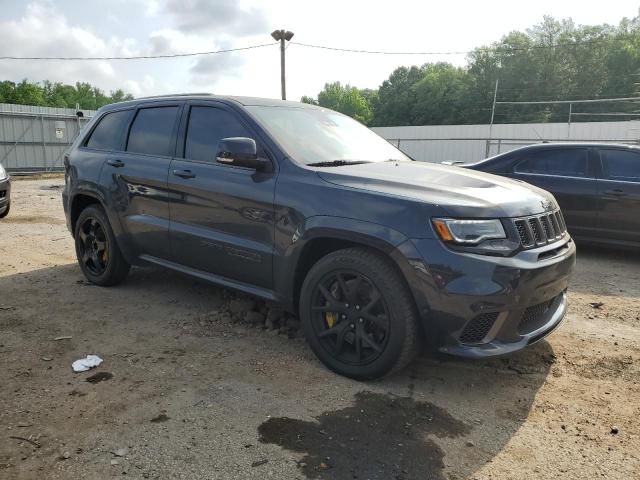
x=470 y=143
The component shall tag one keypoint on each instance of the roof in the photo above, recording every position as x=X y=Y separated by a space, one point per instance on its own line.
x=269 y=102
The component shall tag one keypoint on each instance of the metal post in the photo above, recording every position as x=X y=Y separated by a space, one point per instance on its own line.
x=493 y=111
x=78 y=117
x=569 y=124
x=44 y=145
x=282 y=76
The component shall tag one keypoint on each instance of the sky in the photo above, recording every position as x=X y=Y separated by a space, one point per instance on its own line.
x=151 y=27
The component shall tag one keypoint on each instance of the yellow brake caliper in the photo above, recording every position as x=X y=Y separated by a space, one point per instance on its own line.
x=331 y=318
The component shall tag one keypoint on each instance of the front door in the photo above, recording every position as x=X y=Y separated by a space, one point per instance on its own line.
x=619 y=188
x=222 y=217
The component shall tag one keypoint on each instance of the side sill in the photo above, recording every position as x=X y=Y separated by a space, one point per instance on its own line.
x=211 y=278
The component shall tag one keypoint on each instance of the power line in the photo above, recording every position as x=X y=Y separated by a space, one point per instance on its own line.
x=144 y=57
x=496 y=48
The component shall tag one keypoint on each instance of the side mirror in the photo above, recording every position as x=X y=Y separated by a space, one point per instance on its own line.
x=240 y=152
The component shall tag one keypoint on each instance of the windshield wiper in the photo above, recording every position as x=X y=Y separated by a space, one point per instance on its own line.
x=336 y=163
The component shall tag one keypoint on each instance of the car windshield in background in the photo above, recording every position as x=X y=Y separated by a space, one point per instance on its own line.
x=319 y=136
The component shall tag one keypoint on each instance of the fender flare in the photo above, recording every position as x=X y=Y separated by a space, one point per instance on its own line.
x=287 y=273
x=96 y=193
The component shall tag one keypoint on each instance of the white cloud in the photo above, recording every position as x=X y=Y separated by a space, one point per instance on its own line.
x=205 y=69
x=140 y=88
x=225 y=17
x=43 y=32
x=131 y=27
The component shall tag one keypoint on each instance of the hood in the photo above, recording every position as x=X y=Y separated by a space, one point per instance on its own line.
x=460 y=192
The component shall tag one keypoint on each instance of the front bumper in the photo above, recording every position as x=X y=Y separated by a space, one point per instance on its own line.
x=480 y=306
x=5 y=194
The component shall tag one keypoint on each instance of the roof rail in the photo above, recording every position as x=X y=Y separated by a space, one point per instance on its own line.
x=175 y=95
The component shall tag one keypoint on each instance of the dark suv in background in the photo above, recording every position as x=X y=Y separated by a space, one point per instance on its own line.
x=596 y=184
x=308 y=208
x=5 y=192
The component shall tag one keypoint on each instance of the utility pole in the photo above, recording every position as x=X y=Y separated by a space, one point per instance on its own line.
x=493 y=112
x=281 y=36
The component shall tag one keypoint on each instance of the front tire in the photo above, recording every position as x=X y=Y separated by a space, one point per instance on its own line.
x=96 y=249
x=6 y=212
x=358 y=314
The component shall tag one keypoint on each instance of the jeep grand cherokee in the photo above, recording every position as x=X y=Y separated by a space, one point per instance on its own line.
x=305 y=207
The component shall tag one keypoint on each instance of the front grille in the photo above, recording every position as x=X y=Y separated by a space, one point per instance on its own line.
x=478 y=328
x=534 y=223
x=535 y=316
x=537 y=230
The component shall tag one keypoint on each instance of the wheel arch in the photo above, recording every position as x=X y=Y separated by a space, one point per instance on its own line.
x=324 y=235
x=79 y=202
x=83 y=199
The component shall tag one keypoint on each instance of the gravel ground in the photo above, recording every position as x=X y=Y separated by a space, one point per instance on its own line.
x=193 y=386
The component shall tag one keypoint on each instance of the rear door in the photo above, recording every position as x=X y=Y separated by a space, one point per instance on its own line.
x=567 y=173
x=136 y=179
x=620 y=193
x=222 y=216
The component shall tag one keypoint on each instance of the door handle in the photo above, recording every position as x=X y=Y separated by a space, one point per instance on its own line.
x=116 y=163
x=616 y=193
x=184 y=173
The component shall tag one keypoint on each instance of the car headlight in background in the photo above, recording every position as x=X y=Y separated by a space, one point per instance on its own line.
x=3 y=173
x=468 y=232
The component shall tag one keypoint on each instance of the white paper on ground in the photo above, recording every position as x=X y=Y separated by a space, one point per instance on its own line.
x=87 y=363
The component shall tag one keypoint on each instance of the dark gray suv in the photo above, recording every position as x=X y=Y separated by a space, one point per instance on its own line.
x=305 y=207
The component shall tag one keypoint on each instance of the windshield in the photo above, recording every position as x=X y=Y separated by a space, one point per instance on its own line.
x=316 y=135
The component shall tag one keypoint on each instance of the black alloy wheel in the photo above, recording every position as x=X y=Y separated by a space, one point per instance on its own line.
x=98 y=253
x=94 y=246
x=350 y=317
x=358 y=314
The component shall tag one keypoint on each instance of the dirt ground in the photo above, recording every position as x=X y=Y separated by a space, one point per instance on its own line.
x=194 y=387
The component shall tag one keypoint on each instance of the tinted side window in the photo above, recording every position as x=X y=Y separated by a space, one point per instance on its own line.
x=152 y=131
x=108 y=134
x=621 y=165
x=207 y=126
x=570 y=162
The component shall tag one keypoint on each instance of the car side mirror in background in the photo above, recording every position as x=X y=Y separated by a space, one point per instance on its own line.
x=240 y=152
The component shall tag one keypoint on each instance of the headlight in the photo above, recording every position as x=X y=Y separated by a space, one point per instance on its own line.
x=468 y=232
x=3 y=173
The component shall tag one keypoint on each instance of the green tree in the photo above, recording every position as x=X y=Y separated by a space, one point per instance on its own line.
x=28 y=94
x=309 y=100
x=396 y=97
x=344 y=99
x=552 y=60
x=58 y=94
x=439 y=96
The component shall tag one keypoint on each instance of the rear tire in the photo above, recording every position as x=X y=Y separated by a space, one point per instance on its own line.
x=358 y=314
x=6 y=212
x=97 y=251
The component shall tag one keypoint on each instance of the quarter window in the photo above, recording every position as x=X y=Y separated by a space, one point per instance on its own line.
x=564 y=163
x=207 y=126
x=622 y=165
x=152 y=131
x=108 y=134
